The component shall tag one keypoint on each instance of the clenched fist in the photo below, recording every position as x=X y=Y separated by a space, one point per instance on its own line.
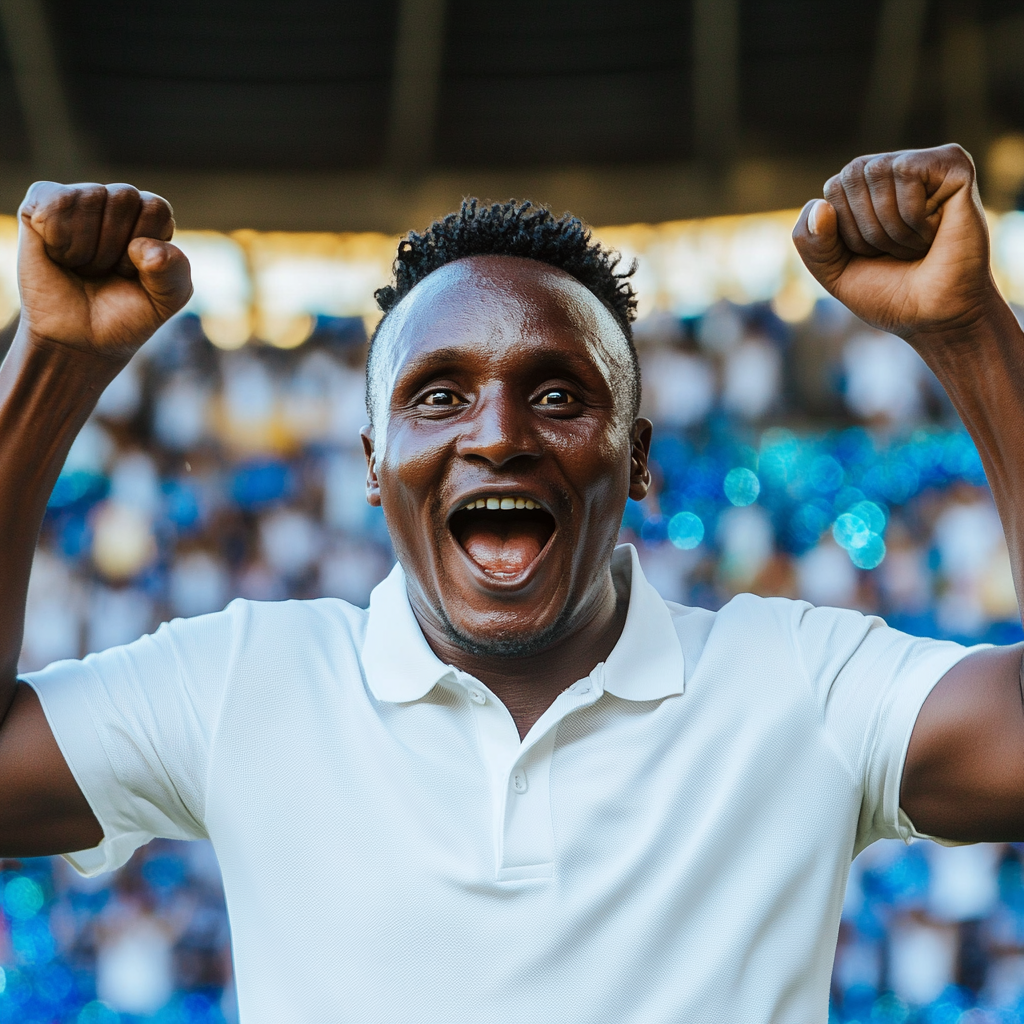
x=96 y=269
x=901 y=240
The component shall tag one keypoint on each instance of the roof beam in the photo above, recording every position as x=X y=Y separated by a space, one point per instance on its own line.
x=52 y=138
x=416 y=84
x=371 y=201
x=716 y=78
x=890 y=92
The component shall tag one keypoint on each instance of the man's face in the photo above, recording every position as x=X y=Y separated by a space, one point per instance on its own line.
x=506 y=385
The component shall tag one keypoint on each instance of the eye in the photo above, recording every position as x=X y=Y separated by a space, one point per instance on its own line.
x=441 y=396
x=556 y=396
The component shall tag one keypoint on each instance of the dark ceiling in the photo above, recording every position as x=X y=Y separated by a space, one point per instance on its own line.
x=309 y=86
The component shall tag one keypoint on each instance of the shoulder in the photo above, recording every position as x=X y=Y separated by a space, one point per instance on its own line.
x=325 y=620
x=778 y=635
x=253 y=631
x=746 y=616
x=315 y=613
x=765 y=617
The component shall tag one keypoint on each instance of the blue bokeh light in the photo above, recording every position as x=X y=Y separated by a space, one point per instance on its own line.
x=741 y=486
x=685 y=530
x=23 y=898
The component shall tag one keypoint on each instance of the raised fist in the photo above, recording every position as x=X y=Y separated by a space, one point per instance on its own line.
x=901 y=240
x=96 y=268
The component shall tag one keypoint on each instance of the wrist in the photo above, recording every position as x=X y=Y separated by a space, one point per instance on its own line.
x=71 y=365
x=986 y=324
x=979 y=361
x=46 y=385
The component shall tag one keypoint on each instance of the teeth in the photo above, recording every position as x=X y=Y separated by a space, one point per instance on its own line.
x=501 y=503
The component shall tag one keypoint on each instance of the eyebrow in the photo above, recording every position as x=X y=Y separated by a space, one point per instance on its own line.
x=456 y=356
x=441 y=356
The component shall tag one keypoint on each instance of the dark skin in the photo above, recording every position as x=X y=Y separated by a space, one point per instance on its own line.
x=98 y=275
x=511 y=382
x=504 y=375
x=901 y=239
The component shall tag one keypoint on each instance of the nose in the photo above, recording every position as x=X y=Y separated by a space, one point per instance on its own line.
x=498 y=429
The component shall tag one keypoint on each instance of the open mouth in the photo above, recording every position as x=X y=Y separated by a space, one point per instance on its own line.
x=502 y=534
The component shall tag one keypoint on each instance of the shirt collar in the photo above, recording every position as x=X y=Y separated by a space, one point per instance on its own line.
x=645 y=664
x=647 y=661
x=398 y=661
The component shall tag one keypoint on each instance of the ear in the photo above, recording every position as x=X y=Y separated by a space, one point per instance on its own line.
x=372 y=483
x=639 y=456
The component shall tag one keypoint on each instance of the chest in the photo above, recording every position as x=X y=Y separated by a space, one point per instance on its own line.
x=644 y=853
x=435 y=790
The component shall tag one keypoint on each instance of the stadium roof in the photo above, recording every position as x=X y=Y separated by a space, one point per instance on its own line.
x=375 y=114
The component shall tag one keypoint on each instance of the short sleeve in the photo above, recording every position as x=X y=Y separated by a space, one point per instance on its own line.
x=870 y=682
x=135 y=725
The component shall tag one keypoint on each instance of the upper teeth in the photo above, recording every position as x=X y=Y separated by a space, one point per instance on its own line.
x=501 y=503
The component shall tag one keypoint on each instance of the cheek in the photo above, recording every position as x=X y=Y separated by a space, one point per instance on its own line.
x=595 y=460
x=410 y=475
x=411 y=461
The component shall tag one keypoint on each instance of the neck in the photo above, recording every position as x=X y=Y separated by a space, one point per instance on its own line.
x=528 y=685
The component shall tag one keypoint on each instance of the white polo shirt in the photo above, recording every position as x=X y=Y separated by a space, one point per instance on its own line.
x=669 y=843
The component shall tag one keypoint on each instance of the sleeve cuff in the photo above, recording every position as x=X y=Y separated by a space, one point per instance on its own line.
x=906 y=706
x=59 y=688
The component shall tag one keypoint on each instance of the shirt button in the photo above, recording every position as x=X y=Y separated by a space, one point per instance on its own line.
x=519 y=781
x=478 y=696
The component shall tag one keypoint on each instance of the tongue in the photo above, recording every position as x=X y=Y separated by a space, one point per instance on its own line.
x=503 y=550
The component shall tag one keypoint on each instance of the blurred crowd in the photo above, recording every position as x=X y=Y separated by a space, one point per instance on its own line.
x=816 y=460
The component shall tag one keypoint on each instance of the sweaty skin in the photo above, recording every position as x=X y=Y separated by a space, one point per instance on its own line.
x=503 y=377
x=901 y=239
x=97 y=275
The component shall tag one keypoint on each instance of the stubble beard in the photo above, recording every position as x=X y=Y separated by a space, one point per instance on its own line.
x=508 y=647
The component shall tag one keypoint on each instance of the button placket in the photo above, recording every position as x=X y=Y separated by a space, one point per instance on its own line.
x=520 y=776
x=527 y=845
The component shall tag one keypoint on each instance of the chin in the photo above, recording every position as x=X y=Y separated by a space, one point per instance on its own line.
x=496 y=641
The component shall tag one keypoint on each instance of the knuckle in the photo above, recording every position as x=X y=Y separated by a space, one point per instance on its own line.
x=878 y=168
x=122 y=193
x=904 y=167
x=833 y=187
x=88 y=196
x=61 y=200
x=154 y=205
x=851 y=173
x=37 y=189
x=955 y=156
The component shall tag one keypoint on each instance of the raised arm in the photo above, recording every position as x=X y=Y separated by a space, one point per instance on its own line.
x=901 y=239
x=97 y=275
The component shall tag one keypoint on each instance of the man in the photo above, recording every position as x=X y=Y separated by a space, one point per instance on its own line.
x=521 y=786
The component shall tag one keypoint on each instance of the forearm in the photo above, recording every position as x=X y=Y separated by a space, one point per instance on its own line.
x=46 y=394
x=981 y=367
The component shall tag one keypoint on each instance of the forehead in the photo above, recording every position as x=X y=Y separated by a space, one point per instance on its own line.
x=501 y=307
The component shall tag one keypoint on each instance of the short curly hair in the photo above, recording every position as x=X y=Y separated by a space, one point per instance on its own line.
x=515 y=228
